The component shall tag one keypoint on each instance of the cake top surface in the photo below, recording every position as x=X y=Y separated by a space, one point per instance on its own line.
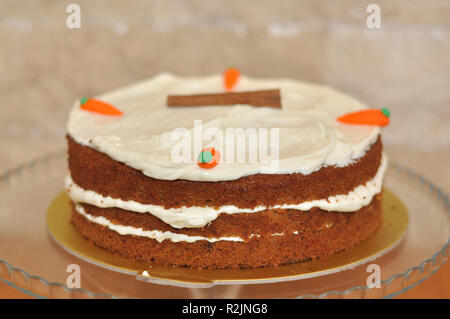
x=301 y=137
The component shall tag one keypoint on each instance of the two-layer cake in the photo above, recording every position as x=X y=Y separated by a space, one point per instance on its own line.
x=132 y=198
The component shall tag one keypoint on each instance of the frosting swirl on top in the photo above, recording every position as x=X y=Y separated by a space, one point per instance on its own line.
x=309 y=137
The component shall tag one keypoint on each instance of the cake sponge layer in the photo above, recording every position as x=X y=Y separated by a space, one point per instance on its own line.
x=93 y=170
x=298 y=236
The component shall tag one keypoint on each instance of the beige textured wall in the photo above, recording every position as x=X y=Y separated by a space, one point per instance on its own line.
x=404 y=65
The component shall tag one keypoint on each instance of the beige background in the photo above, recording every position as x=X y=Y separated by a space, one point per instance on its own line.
x=404 y=65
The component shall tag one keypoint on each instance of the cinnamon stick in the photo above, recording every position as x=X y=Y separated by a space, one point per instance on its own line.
x=269 y=98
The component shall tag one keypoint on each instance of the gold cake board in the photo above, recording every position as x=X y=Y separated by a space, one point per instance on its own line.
x=385 y=238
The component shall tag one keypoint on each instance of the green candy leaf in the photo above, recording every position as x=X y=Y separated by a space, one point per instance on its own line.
x=83 y=100
x=205 y=157
x=386 y=112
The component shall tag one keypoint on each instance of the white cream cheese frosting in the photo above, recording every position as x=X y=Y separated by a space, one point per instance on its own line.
x=157 y=234
x=194 y=216
x=309 y=135
x=153 y=234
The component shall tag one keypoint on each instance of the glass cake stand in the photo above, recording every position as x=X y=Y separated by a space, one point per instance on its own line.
x=32 y=262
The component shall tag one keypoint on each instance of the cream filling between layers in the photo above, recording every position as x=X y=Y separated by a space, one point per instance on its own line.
x=153 y=234
x=156 y=234
x=190 y=217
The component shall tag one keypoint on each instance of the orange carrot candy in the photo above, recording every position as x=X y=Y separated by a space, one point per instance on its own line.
x=100 y=107
x=208 y=158
x=367 y=117
x=230 y=78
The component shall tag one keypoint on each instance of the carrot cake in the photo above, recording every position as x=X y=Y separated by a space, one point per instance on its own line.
x=226 y=183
